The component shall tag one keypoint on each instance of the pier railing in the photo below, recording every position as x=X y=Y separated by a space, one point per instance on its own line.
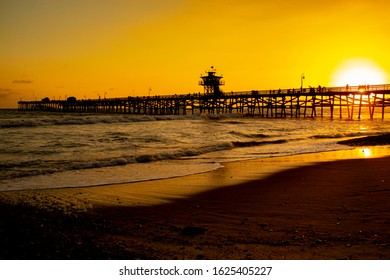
x=371 y=101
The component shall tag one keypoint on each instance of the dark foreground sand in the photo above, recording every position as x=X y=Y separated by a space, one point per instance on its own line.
x=281 y=208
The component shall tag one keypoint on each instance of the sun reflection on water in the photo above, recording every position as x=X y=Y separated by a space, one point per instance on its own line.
x=366 y=152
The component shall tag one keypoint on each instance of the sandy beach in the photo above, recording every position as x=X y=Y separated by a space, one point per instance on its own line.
x=332 y=205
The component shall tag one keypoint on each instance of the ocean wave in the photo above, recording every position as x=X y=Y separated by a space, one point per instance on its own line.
x=184 y=152
x=86 y=119
x=221 y=116
x=248 y=135
x=336 y=135
x=257 y=143
x=21 y=123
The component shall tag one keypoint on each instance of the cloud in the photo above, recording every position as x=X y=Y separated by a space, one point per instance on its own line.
x=22 y=81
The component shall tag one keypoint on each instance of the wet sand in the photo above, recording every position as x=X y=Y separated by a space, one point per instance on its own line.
x=331 y=205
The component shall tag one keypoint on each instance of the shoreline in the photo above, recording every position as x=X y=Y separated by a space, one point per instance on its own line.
x=294 y=159
x=257 y=209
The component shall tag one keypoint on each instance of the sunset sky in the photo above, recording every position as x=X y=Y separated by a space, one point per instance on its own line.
x=117 y=48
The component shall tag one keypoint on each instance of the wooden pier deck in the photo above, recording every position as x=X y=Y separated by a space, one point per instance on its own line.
x=335 y=102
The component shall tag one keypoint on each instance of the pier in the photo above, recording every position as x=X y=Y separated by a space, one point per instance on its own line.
x=352 y=102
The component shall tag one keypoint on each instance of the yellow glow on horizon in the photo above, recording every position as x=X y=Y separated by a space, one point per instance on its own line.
x=90 y=48
x=359 y=71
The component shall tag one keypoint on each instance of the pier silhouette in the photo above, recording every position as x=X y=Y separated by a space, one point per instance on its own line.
x=333 y=102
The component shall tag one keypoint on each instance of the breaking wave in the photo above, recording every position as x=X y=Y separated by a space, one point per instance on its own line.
x=85 y=119
x=336 y=135
x=248 y=135
x=257 y=143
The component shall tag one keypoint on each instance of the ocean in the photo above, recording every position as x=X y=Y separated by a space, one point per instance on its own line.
x=40 y=150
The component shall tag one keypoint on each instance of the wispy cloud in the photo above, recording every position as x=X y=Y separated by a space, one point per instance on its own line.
x=22 y=81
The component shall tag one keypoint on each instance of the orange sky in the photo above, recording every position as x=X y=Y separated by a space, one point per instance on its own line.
x=85 y=48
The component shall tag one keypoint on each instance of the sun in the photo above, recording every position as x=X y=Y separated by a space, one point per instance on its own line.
x=359 y=71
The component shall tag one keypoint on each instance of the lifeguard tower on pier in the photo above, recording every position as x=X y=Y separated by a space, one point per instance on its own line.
x=211 y=82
